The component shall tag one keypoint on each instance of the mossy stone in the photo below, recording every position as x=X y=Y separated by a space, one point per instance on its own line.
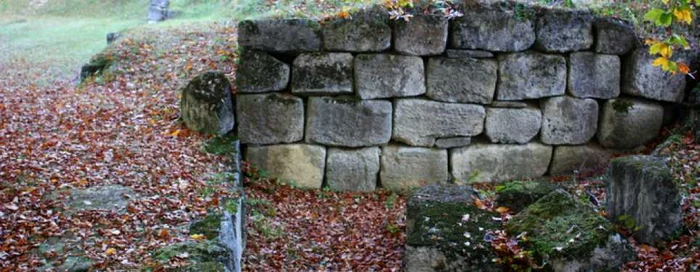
x=205 y=254
x=208 y=226
x=517 y=195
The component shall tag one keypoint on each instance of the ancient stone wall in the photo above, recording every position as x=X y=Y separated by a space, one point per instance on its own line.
x=368 y=102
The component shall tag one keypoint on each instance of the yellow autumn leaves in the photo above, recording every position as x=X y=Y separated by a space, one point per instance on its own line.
x=679 y=11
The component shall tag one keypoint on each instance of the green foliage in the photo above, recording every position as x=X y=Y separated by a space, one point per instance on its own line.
x=628 y=222
x=221 y=145
x=390 y=201
x=622 y=106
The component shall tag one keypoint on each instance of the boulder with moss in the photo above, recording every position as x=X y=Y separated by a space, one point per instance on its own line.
x=96 y=66
x=517 y=195
x=207 y=104
x=200 y=256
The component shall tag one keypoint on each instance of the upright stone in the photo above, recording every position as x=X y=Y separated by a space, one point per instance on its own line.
x=463 y=80
x=300 y=164
x=158 y=10
x=578 y=159
x=348 y=122
x=385 y=75
x=352 y=169
x=270 y=118
x=530 y=75
x=594 y=75
x=206 y=104
x=487 y=162
x=628 y=122
x=564 y=31
x=511 y=125
x=403 y=168
x=422 y=35
x=492 y=30
x=658 y=213
x=259 y=72
x=641 y=78
x=419 y=122
x=568 y=120
x=322 y=73
x=280 y=36
x=364 y=32
x=614 y=36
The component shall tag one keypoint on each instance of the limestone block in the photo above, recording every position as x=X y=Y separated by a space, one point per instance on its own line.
x=463 y=80
x=578 y=159
x=280 y=35
x=614 y=36
x=404 y=168
x=491 y=30
x=530 y=75
x=641 y=78
x=488 y=162
x=364 y=32
x=322 y=73
x=564 y=31
x=512 y=125
x=568 y=121
x=206 y=104
x=422 y=35
x=419 y=122
x=259 y=72
x=300 y=164
x=594 y=75
x=352 y=169
x=623 y=127
x=348 y=122
x=270 y=118
x=385 y=75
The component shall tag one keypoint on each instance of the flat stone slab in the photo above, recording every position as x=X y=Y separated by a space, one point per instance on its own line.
x=488 y=162
x=419 y=122
x=512 y=125
x=491 y=30
x=322 y=74
x=614 y=36
x=348 y=122
x=280 y=35
x=106 y=197
x=259 y=72
x=445 y=83
x=530 y=75
x=300 y=164
x=579 y=159
x=270 y=118
x=560 y=31
x=404 y=168
x=386 y=75
x=568 y=121
x=641 y=78
x=365 y=32
x=422 y=35
x=628 y=122
x=352 y=169
x=594 y=75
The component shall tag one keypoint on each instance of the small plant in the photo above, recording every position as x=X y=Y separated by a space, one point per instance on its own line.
x=628 y=222
x=622 y=106
x=393 y=228
x=390 y=201
x=221 y=145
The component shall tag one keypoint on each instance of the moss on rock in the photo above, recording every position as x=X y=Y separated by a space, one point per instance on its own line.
x=517 y=195
x=208 y=226
x=201 y=256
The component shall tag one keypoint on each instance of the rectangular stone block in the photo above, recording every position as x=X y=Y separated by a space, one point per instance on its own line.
x=322 y=73
x=365 y=32
x=475 y=54
x=280 y=35
x=352 y=169
x=403 y=168
x=564 y=31
x=614 y=36
x=641 y=78
x=623 y=128
x=492 y=30
x=300 y=164
x=385 y=75
x=530 y=75
x=463 y=80
x=422 y=35
x=511 y=125
x=489 y=162
x=578 y=159
x=453 y=142
x=348 y=122
x=568 y=121
x=594 y=75
x=419 y=122
x=259 y=72
x=270 y=118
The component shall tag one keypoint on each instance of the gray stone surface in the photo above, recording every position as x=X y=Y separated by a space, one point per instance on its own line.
x=270 y=118
x=418 y=122
x=614 y=36
x=348 y=122
x=259 y=72
x=512 y=126
x=453 y=142
x=206 y=104
x=158 y=10
x=404 y=168
x=385 y=75
x=508 y=104
x=364 y=32
x=422 y=35
x=594 y=75
x=476 y=54
x=300 y=164
x=568 y=121
x=658 y=213
x=352 y=169
x=564 y=31
x=530 y=75
x=641 y=78
x=112 y=197
x=631 y=128
x=488 y=162
x=280 y=35
x=581 y=159
x=492 y=30
x=322 y=73
x=463 y=80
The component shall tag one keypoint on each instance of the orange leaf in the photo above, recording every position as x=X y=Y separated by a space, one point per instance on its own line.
x=479 y=204
x=175 y=133
x=111 y=251
x=343 y=15
x=163 y=234
x=502 y=209
x=683 y=68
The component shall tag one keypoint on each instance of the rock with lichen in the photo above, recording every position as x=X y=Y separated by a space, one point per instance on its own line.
x=207 y=104
x=517 y=195
x=200 y=256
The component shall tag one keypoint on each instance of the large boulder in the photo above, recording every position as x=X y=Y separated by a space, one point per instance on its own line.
x=158 y=10
x=422 y=35
x=643 y=195
x=352 y=169
x=404 y=168
x=492 y=30
x=281 y=36
x=594 y=75
x=641 y=78
x=445 y=231
x=259 y=72
x=614 y=36
x=487 y=162
x=578 y=159
x=517 y=195
x=206 y=104
x=568 y=120
x=570 y=236
x=512 y=125
x=367 y=31
x=628 y=122
x=446 y=80
x=530 y=75
x=300 y=164
x=419 y=122
x=386 y=75
x=560 y=31
x=346 y=121
x=322 y=73
x=270 y=118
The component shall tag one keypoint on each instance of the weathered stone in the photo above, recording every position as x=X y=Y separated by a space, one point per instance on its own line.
x=530 y=75
x=113 y=198
x=420 y=122
x=594 y=75
x=259 y=72
x=492 y=30
x=446 y=231
x=453 y=142
x=385 y=75
x=476 y=54
x=642 y=192
x=568 y=120
x=113 y=36
x=209 y=226
x=348 y=122
x=96 y=66
x=614 y=36
x=508 y=104
x=628 y=122
x=352 y=169
x=282 y=36
x=158 y=10
x=422 y=35
x=641 y=78
x=512 y=126
x=300 y=164
x=464 y=80
x=364 y=32
x=270 y=118
x=578 y=159
x=564 y=31
x=517 y=195
x=201 y=256
x=206 y=104
x=487 y=162
x=322 y=73
x=404 y=168
x=569 y=236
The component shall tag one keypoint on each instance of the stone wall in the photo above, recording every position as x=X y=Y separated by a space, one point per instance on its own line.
x=366 y=102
